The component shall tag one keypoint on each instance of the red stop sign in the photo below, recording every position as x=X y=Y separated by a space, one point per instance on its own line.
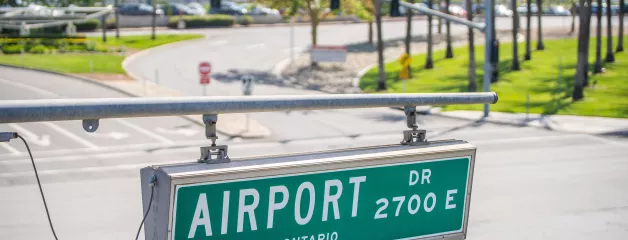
x=204 y=68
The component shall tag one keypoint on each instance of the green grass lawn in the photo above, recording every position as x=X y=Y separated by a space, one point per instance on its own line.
x=141 y=42
x=67 y=63
x=547 y=78
x=102 y=62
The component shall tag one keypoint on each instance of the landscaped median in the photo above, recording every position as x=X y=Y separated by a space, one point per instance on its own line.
x=78 y=55
x=547 y=79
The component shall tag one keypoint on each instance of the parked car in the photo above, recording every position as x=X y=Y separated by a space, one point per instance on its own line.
x=457 y=10
x=229 y=8
x=594 y=8
x=197 y=8
x=135 y=9
x=523 y=9
x=175 y=9
x=557 y=11
x=502 y=11
x=257 y=9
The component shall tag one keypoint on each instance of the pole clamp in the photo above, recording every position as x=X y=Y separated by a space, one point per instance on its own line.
x=415 y=136
x=213 y=153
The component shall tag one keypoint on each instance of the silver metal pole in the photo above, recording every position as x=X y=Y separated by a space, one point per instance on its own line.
x=13 y=111
x=451 y=18
x=488 y=35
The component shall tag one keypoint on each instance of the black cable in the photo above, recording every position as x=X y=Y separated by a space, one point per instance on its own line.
x=150 y=202
x=41 y=191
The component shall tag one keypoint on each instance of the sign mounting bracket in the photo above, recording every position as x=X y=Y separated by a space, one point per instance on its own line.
x=415 y=136
x=213 y=153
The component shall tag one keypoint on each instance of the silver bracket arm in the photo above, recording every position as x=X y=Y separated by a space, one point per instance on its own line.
x=414 y=136
x=213 y=153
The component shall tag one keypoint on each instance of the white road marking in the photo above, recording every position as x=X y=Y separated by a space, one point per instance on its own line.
x=188 y=132
x=85 y=170
x=8 y=147
x=252 y=46
x=144 y=131
x=31 y=137
x=70 y=135
x=110 y=135
x=80 y=157
x=217 y=43
x=30 y=88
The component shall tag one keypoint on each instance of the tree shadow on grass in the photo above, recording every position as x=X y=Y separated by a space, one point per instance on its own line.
x=396 y=42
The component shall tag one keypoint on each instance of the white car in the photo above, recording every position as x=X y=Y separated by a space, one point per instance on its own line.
x=503 y=11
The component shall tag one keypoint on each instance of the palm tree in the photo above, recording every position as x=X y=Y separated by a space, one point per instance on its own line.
x=597 y=68
x=528 y=54
x=449 y=53
x=429 y=64
x=609 y=33
x=440 y=20
x=515 y=32
x=583 y=50
x=472 y=84
x=539 y=16
x=620 y=38
x=381 y=85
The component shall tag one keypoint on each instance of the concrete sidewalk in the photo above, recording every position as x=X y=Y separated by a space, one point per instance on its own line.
x=563 y=123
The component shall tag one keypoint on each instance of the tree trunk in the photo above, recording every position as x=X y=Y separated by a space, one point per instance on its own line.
x=620 y=38
x=440 y=20
x=409 y=34
x=117 y=18
x=429 y=64
x=597 y=67
x=539 y=16
x=380 y=46
x=609 y=33
x=472 y=83
x=314 y=22
x=583 y=50
x=573 y=17
x=154 y=19
x=370 y=24
x=449 y=53
x=515 y=32
x=528 y=54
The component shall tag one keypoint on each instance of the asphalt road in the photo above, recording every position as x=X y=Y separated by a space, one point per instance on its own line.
x=529 y=183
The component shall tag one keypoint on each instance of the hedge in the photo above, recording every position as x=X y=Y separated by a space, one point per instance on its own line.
x=38 y=49
x=203 y=21
x=12 y=49
x=245 y=20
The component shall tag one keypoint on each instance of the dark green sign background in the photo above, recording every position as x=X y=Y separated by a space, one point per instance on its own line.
x=382 y=182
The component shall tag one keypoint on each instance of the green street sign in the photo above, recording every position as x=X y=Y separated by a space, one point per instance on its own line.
x=390 y=196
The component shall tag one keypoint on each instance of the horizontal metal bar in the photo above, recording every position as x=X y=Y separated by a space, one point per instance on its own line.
x=428 y=11
x=13 y=111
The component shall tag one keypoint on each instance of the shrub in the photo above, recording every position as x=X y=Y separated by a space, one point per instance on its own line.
x=12 y=49
x=90 y=25
x=75 y=48
x=245 y=20
x=203 y=21
x=38 y=49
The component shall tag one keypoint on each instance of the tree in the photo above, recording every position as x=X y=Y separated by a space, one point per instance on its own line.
x=429 y=64
x=609 y=33
x=620 y=38
x=472 y=83
x=583 y=50
x=573 y=16
x=449 y=53
x=539 y=16
x=528 y=54
x=597 y=67
x=515 y=32
x=440 y=20
x=368 y=8
x=409 y=34
x=381 y=85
